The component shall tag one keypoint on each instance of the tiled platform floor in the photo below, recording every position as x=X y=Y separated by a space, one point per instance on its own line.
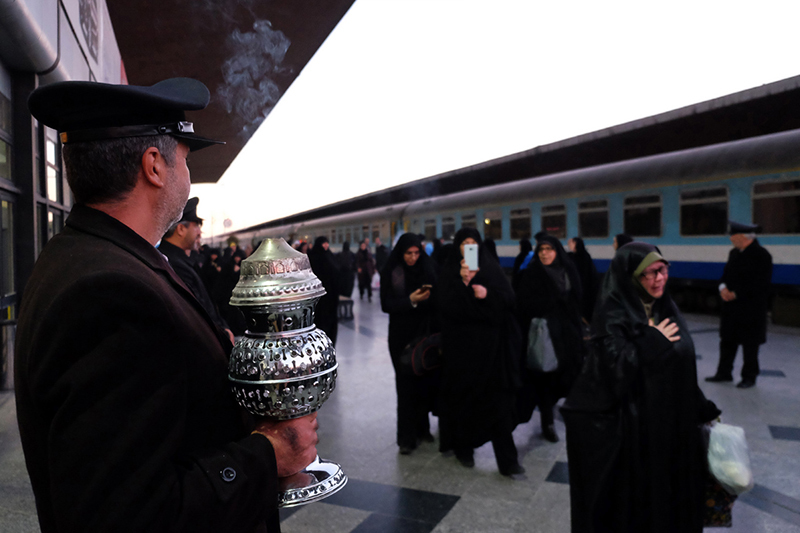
x=428 y=492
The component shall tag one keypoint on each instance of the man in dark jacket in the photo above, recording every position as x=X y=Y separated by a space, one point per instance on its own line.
x=180 y=239
x=744 y=290
x=124 y=408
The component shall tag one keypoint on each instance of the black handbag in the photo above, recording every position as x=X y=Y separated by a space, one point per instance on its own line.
x=423 y=355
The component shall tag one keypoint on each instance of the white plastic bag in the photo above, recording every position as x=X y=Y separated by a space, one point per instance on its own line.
x=728 y=458
x=541 y=354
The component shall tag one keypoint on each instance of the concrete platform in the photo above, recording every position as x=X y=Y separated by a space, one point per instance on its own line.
x=430 y=492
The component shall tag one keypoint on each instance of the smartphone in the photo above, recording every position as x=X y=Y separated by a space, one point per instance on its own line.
x=426 y=288
x=471 y=256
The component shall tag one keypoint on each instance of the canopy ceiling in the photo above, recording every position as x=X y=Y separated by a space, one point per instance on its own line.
x=247 y=52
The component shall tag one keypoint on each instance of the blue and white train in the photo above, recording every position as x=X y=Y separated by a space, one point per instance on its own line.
x=680 y=201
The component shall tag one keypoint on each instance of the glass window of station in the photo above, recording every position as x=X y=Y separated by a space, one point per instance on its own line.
x=704 y=211
x=493 y=225
x=5 y=138
x=7 y=287
x=776 y=206
x=448 y=228
x=643 y=215
x=7 y=205
x=593 y=219
x=554 y=220
x=53 y=196
x=520 y=220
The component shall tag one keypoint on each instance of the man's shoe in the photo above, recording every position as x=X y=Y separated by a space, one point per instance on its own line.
x=746 y=384
x=549 y=433
x=406 y=450
x=466 y=461
x=719 y=379
x=514 y=470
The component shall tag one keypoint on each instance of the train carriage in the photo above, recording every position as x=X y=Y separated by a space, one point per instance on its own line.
x=680 y=201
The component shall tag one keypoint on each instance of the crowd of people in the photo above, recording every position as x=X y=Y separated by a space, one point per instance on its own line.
x=121 y=348
x=625 y=365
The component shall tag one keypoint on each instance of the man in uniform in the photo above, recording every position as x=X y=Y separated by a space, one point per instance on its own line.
x=124 y=408
x=180 y=240
x=744 y=290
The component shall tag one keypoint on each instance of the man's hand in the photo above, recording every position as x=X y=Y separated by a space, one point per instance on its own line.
x=727 y=295
x=294 y=442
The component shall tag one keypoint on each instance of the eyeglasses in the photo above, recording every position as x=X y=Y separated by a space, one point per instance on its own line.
x=650 y=275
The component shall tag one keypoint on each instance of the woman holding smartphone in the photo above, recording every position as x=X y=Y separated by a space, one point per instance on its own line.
x=406 y=283
x=480 y=342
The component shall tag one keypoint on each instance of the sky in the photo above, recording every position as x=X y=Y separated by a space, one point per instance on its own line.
x=406 y=89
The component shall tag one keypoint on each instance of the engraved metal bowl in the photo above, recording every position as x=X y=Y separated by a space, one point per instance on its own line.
x=283 y=376
x=283 y=367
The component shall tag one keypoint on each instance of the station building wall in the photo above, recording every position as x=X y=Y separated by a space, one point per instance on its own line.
x=41 y=42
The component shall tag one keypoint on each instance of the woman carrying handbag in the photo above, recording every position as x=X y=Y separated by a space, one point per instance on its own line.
x=407 y=281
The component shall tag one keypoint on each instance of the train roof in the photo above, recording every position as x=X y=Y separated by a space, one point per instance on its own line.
x=764 y=110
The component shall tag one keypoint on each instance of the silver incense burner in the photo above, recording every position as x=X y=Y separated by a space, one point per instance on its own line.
x=284 y=367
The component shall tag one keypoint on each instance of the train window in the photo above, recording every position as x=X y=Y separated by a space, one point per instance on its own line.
x=521 y=223
x=448 y=228
x=776 y=206
x=348 y=237
x=593 y=218
x=430 y=229
x=364 y=232
x=493 y=225
x=643 y=215
x=704 y=211
x=333 y=235
x=554 y=220
x=469 y=221
x=376 y=232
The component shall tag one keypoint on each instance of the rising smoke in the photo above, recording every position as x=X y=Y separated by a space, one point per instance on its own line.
x=250 y=92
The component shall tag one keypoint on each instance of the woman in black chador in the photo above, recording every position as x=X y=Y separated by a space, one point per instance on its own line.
x=587 y=272
x=550 y=288
x=481 y=357
x=323 y=264
x=636 y=455
x=406 y=283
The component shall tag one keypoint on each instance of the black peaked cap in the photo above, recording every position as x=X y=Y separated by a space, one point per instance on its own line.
x=738 y=227
x=190 y=211
x=84 y=111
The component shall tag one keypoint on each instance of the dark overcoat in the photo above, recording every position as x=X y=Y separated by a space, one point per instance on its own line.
x=185 y=270
x=126 y=417
x=326 y=313
x=748 y=273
